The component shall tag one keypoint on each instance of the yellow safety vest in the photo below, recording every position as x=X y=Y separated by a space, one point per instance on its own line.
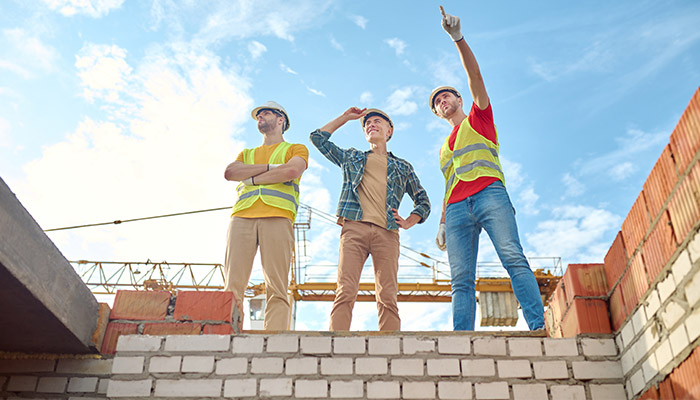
x=474 y=156
x=283 y=195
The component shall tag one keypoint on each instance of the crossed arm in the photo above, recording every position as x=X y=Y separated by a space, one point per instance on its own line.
x=263 y=174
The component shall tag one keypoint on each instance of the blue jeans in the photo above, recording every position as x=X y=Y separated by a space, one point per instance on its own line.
x=491 y=210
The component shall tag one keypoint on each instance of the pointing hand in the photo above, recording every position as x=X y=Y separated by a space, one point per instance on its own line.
x=451 y=25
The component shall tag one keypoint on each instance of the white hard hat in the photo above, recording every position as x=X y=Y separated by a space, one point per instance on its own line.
x=271 y=105
x=437 y=91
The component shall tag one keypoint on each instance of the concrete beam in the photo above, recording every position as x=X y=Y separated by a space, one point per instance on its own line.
x=44 y=305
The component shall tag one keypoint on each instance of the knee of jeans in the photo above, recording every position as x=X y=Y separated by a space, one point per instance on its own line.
x=463 y=285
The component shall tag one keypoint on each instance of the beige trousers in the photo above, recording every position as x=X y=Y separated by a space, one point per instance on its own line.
x=357 y=241
x=275 y=238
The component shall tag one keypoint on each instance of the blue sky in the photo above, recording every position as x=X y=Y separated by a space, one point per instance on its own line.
x=113 y=109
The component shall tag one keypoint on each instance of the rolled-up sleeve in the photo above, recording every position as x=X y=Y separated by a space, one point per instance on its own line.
x=333 y=153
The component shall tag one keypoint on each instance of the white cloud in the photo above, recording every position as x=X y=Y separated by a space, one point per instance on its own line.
x=447 y=70
x=165 y=154
x=335 y=44
x=5 y=138
x=256 y=49
x=286 y=69
x=103 y=71
x=12 y=67
x=400 y=102
x=513 y=173
x=622 y=171
x=29 y=52
x=92 y=8
x=527 y=199
x=316 y=92
x=359 y=21
x=574 y=187
x=574 y=233
x=366 y=97
x=397 y=44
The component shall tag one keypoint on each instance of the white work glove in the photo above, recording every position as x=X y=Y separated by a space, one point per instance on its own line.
x=248 y=181
x=273 y=166
x=451 y=25
x=440 y=239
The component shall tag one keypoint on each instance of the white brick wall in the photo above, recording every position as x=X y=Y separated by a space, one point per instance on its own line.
x=550 y=370
x=248 y=345
x=596 y=369
x=201 y=364
x=347 y=389
x=514 y=369
x=490 y=346
x=371 y=366
x=198 y=343
x=316 y=345
x=139 y=343
x=384 y=346
x=240 y=388
x=419 y=390
x=139 y=388
x=349 y=345
x=598 y=347
x=48 y=384
x=454 y=390
x=188 y=388
x=492 y=390
x=276 y=387
x=163 y=364
x=283 y=344
x=267 y=365
x=607 y=392
x=413 y=345
x=383 y=390
x=561 y=392
x=301 y=366
x=127 y=365
x=82 y=385
x=443 y=367
x=478 y=367
x=336 y=366
x=536 y=391
x=560 y=347
x=232 y=366
x=311 y=388
x=407 y=367
x=525 y=347
x=454 y=345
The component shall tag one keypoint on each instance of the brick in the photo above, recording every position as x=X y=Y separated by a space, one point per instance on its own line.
x=639 y=319
x=276 y=387
x=217 y=329
x=198 y=364
x=679 y=340
x=164 y=364
x=635 y=283
x=102 y=386
x=371 y=366
x=560 y=347
x=514 y=369
x=694 y=248
x=671 y=314
x=454 y=345
x=418 y=390
x=585 y=280
x=557 y=302
x=627 y=334
x=637 y=381
x=407 y=367
x=20 y=383
x=561 y=392
x=683 y=207
x=82 y=385
x=443 y=367
x=240 y=388
x=666 y=389
x=666 y=287
x=112 y=333
x=28 y=365
x=586 y=316
x=98 y=335
x=315 y=345
x=660 y=183
x=204 y=306
x=248 y=345
x=336 y=366
x=455 y=390
x=232 y=366
x=692 y=325
x=478 y=367
x=615 y=261
x=652 y=303
x=684 y=378
x=384 y=346
x=550 y=324
x=617 y=309
x=198 y=343
x=139 y=343
x=607 y=391
x=651 y=394
x=172 y=328
x=349 y=345
x=140 y=305
x=659 y=246
x=663 y=354
x=550 y=369
x=627 y=361
x=140 y=388
x=536 y=391
x=596 y=370
x=681 y=267
x=267 y=365
x=598 y=347
x=188 y=388
x=383 y=390
x=301 y=366
x=283 y=344
x=127 y=365
x=84 y=367
x=50 y=384
x=692 y=289
x=490 y=346
x=525 y=347
x=635 y=225
x=348 y=389
x=650 y=368
x=492 y=390
x=308 y=388
x=414 y=345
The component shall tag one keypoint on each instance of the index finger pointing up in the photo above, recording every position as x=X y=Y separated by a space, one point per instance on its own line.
x=442 y=11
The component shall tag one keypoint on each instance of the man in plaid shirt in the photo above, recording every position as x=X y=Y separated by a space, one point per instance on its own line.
x=374 y=183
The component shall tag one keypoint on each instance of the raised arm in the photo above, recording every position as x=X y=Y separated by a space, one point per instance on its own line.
x=451 y=25
x=320 y=137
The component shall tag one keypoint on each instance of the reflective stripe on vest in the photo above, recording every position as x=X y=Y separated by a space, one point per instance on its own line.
x=283 y=195
x=476 y=157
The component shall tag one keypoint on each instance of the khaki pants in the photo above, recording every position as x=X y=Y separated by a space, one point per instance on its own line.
x=275 y=238
x=357 y=241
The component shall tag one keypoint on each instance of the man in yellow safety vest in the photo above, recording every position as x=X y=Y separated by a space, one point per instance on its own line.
x=475 y=195
x=263 y=216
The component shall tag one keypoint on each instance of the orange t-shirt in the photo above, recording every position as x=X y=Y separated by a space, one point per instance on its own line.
x=262 y=154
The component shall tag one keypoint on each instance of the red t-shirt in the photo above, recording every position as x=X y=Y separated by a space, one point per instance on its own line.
x=482 y=122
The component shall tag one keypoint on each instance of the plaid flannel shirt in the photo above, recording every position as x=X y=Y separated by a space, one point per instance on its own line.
x=401 y=179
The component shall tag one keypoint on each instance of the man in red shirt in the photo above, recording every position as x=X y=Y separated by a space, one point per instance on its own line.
x=475 y=195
